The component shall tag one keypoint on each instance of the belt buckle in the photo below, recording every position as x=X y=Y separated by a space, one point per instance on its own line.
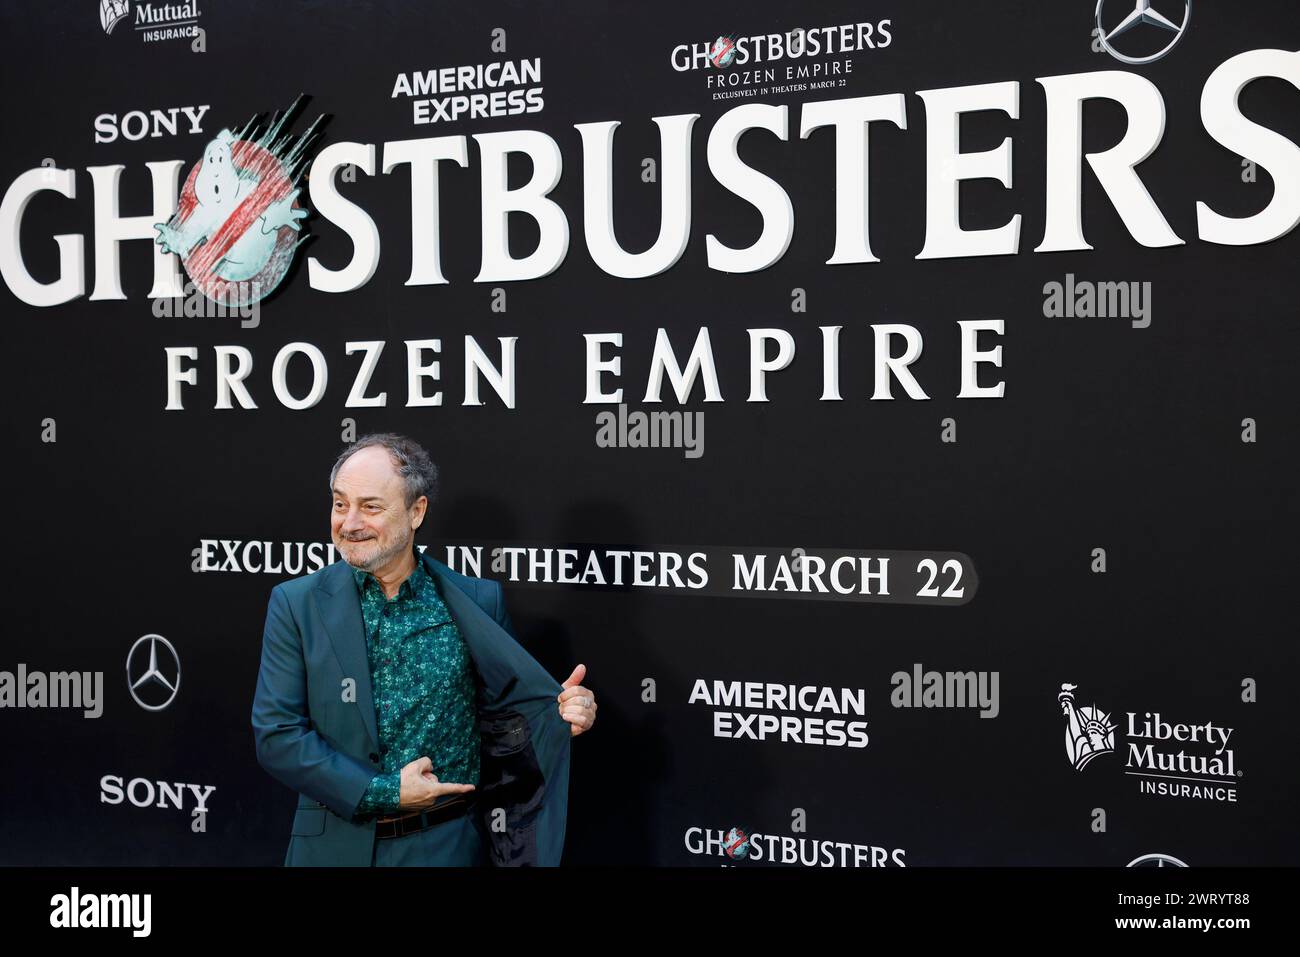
x=422 y=819
x=411 y=824
x=394 y=826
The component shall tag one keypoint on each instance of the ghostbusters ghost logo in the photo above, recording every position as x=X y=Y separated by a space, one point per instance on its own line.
x=238 y=220
x=737 y=844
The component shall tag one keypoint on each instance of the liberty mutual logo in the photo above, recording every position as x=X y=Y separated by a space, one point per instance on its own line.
x=1169 y=758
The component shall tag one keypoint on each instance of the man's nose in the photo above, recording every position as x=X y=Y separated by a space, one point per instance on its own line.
x=352 y=521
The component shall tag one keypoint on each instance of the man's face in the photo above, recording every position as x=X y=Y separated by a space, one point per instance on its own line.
x=369 y=520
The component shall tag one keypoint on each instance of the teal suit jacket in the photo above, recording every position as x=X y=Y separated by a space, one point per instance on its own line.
x=323 y=742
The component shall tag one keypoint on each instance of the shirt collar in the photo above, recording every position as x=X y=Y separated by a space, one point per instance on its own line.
x=409 y=586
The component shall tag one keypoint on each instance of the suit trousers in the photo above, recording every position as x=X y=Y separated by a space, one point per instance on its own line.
x=459 y=842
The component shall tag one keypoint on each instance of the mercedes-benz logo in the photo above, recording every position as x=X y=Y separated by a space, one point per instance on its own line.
x=153 y=687
x=1157 y=24
x=1155 y=860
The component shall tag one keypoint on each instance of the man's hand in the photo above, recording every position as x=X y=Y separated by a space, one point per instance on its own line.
x=577 y=704
x=421 y=787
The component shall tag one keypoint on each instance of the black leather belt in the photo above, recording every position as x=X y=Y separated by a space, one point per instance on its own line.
x=420 y=820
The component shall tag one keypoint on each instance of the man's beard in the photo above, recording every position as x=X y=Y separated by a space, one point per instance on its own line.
x=380 y=558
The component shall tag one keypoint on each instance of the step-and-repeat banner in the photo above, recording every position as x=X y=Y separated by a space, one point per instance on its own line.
x=892 y=404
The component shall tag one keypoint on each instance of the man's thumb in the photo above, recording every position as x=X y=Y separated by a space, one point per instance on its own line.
x=423 y=764
x=579 y=673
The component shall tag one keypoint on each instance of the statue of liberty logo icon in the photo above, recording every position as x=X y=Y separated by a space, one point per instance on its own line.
x=1088 y=731
x=111 y=11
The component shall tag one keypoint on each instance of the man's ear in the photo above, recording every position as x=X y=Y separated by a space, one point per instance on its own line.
x=417 y=512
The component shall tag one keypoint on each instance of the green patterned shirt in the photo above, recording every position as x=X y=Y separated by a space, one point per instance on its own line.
x=423 y=683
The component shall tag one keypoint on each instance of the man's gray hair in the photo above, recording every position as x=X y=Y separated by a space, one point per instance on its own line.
x=409 y=458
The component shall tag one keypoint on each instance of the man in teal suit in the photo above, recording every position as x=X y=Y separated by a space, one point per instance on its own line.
x=394 y=698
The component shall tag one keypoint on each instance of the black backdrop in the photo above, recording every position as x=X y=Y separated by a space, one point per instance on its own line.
x=1108 y=436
